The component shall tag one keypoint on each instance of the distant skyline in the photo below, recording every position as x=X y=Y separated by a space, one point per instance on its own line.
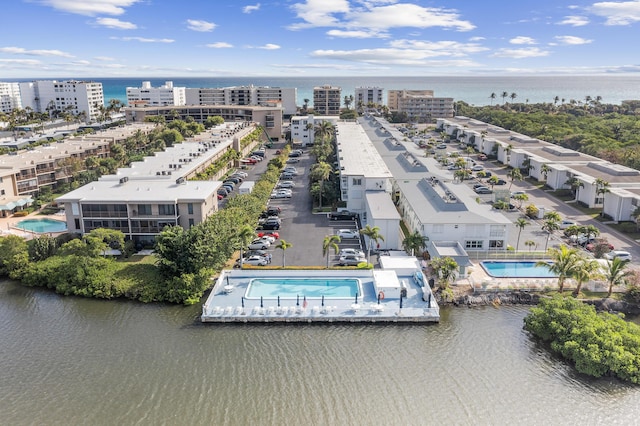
x=228 y=38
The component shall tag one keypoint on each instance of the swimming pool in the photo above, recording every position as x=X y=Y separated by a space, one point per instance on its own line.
x=506 y=269
x=42 y=225
x=311 y=288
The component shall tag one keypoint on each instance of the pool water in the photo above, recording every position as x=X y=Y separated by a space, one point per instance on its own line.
x=42 y=225
x=506 y=269
x=290 y=288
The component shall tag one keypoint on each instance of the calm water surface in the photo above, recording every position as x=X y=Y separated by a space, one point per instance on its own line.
x=77 y=361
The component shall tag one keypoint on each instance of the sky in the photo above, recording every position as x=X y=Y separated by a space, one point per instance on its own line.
x=234 y=38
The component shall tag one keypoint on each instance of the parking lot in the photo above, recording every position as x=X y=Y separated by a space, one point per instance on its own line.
x=300 y=227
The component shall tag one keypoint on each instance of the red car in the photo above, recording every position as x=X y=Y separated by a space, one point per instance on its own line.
x=272 y=233
x=220 y=196
x=248 y=161
x=278 y=152
x=592 y=246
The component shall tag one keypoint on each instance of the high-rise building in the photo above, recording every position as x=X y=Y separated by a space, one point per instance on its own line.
x=9 y=97
x=420 y=105
x=368 y=95
x=166 y=94
x=244 y=95
x=394 y=95
x=327 y=100
x=72 y=96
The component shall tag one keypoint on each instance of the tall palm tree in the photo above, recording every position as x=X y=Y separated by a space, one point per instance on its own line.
x=244 y=236
x=320 y=172
x=492 y=96
x=530 y=243
x=324 y=130
x=549 y=226
x=565 y=263
x=504 y=95
x=520 y=224
x=330 y=242
x=616 y=274
x=575 y=184
x=373 y=234
x=602 y=188
x=586 y=270
x=513 y=96
x=514 y=174
x=544 y=170
x=415 y=242
x=284 y=246
x=507 y=152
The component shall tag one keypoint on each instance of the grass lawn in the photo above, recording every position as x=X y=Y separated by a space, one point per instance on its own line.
x=136 y=273
x=627 y=228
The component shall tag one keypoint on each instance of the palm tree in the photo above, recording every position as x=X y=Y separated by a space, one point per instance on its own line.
x=446 y=268
x=513 y=96
x=586 y=270
x=320 y=172
x=504 y=95
x=520 y=224
x=615 y=273
x=330 y=242
x=244 y=236
x=602 y=188
x=530 y=243
x=324 y=130
x=415 y=242
x=373 y=233
x=575 y=184
x=507 y=152
x=305 y=105
x=492 y=96
x=514 y=174
x=545 y=169
x=565 y=263
x=284 y=246
x=549 y=226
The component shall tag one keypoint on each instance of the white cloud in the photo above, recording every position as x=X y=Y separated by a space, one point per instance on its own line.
x=219 y=45
x=476 y=38
x=526 y=52
x=438 y=48
x=91 y=7
x=251 y=8
x=81 y=62
x=37 y=52
x=269 y=46
x=200 y=26
x=104 y=58
x=20 y=61
x=116 y=23
x=575 y=21
x=572 y=40
x=392 y=56
x=356 y=34
x=375 y=16
x=522 y=40
x=617 y=13
x=144 y=39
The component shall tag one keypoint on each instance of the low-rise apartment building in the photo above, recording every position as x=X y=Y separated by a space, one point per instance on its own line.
x=420 y=105
x=303 y=128
x=167 y=94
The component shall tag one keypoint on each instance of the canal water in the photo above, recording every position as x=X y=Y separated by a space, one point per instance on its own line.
x=88 y=362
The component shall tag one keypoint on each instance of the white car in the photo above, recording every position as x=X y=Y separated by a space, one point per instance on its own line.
x=286 y=184
x=567 y=223
x=259 y=245
x=514 y=193
x=281 y=194
x=348 y=233
x=620 y=254
x=270 y=238
x=243 y=174
x=255 y=261
x=477 y=168
x=351 y=252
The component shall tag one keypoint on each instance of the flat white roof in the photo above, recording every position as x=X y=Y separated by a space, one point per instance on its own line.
x=357 y=155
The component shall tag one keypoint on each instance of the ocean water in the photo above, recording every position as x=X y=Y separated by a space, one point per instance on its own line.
x=473 y=90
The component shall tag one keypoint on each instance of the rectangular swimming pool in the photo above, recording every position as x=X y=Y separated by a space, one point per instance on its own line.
x=507 y=269
x=311 y=288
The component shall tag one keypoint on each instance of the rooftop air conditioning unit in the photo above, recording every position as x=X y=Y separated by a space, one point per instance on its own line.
x=164 y=173
x=169 y=173
x=158 y=173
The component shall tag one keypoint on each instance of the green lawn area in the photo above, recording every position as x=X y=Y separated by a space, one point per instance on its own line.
x=136 y=274
x=628 y=228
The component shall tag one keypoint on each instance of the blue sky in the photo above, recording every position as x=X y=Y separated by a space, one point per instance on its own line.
x=218 y=38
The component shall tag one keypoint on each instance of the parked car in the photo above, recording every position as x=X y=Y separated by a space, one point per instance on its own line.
x=274 y=210
x=269 y=219
x=477 y=168
x=249 y=160
x=592 y=246
x=348 y=233
x=250 y=253
x=351 y=252
x=281 y=194
x=567 y=223
x=240 y=173
x=350 y=260
x=254 y=261
x=514 y=193
x=620 y=254
x=501 y=182
x=343 y=215
x=286 y=184
x=441 y=146
x=273 y=234
x=286 y=176
x=267 y=237
x=270 y=225
x=259 y=245
x=220 y=197
x=482 y=157
x=483 y=190
x=291 y=170
x=292 y=161
x=294 y=154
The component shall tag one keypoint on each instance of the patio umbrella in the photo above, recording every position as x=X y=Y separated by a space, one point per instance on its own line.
x=242 y=301
x=297 y=300
x=227 y=277
x=261 y=302
x=356 y=297
x=429 y=302
x=278 y=301
x=323 y=300
x=378 y=298
x=400 y=301
x=304 y=301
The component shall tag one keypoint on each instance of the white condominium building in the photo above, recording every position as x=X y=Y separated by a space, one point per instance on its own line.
x=147 y=95
x=367 y=95
x=244 y=95
x=327 y=100
x=9 y=97
x=75 y=97
x=420 y=104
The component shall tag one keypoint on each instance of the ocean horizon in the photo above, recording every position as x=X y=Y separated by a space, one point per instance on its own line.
x=474 y=90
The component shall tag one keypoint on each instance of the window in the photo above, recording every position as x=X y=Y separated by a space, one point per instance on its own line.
x=357 y=181
x=144 y=209
x=599 y=200
x=473 y=244
x=191 y=222
x=496 y=243
x=166 y=209
x=438 y=228
x=190 y=208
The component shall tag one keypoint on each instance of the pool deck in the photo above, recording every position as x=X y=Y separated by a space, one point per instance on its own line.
x=224 y=304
